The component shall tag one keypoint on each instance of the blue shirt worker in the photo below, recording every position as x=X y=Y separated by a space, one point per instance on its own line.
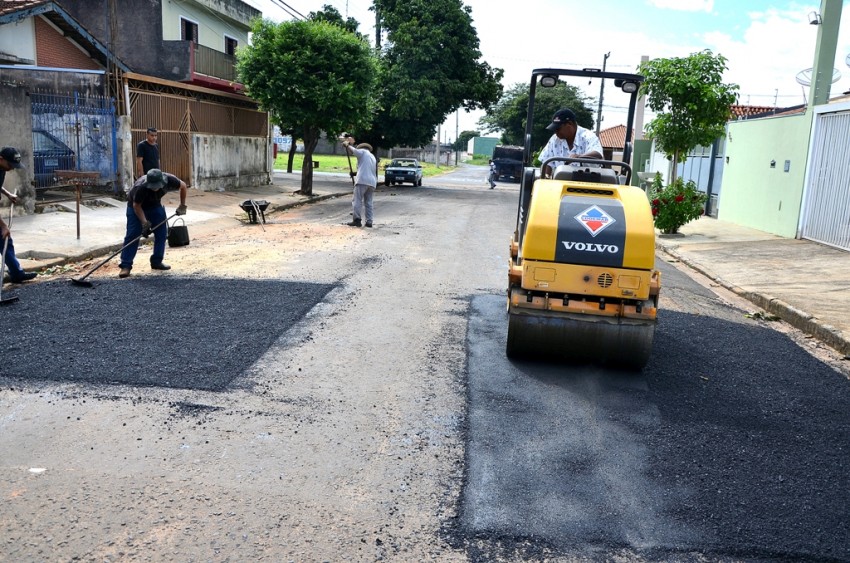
x=570 y=140
x=10 y=159
x=364 y=182
x=146 y=215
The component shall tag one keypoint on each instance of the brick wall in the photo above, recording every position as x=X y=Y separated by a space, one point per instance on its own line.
x=54 y=50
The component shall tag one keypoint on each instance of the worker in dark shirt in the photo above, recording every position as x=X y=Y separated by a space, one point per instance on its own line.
x=146 y=215
x=147 y=153
x=10 y=159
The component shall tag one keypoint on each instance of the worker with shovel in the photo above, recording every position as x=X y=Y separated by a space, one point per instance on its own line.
x=146 y=215
x=10 y=159
x=364 y=182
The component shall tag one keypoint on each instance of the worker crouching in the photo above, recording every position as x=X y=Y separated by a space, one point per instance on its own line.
x=146 y=215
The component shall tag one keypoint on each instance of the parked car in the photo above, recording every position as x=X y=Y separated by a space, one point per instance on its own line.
x=402 y=170
x=49 y=155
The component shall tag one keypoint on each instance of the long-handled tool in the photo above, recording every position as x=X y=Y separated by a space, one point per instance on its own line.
x=350 y=168
x=85 y=283
x=7 y=300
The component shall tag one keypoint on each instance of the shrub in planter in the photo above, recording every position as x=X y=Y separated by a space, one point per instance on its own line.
x=676 y=204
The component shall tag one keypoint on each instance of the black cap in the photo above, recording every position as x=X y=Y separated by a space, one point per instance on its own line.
x=155 y=179
x=12 y=156
x=561 y=117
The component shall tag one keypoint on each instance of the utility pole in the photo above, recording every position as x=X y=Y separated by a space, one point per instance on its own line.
x=457 y=135
x=601 y=94
x=377 y=27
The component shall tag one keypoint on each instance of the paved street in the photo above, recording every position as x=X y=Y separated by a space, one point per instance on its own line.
x=306 y=391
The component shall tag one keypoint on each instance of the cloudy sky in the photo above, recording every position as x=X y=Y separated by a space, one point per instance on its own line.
x=767 y=42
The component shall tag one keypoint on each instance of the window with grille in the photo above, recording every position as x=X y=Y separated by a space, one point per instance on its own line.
x=188 y=30
x=230 y=45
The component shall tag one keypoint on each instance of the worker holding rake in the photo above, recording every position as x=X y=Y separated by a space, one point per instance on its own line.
x=364 y=182
x=146 y=215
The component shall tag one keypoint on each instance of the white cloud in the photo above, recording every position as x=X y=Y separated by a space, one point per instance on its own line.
x=684 y=5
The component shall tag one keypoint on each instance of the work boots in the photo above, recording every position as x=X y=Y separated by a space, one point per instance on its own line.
x=355 y=223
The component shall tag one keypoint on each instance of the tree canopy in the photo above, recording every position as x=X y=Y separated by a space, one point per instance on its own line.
x=430 y=67
x=463 y=139
x=510 y=113
x=690 y=99
x=330 y=14
x=311 y=76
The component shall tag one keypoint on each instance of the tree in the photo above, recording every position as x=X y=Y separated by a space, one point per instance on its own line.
x=463 y=140
x=510 y=113
x=312 y=76
x=691 y=102
x=430 y=68
x=331 y=15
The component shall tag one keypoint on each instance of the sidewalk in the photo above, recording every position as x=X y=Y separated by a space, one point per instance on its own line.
x=44 y=240
x=804 y=283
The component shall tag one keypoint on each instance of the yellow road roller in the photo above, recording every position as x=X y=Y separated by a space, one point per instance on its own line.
x=582 y=283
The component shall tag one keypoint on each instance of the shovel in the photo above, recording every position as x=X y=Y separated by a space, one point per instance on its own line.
x=85 y=283
x=7 y=300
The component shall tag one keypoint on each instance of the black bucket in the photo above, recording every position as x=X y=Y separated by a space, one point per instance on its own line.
x=178 y=235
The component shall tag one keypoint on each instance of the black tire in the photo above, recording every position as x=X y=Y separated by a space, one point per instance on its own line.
x=419 y=183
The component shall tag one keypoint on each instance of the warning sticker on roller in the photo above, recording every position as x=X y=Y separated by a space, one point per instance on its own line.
x=595 y=220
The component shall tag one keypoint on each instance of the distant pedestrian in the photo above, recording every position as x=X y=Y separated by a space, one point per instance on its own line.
x=147 y=153
x=10 y=159
x=492 y=176
x=146 y=215
x=364 y=182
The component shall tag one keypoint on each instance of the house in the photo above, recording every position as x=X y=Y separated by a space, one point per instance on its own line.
x=163 y=63
x=55 y=109
x=613 y=139
x=188 y=41
x=786 y=174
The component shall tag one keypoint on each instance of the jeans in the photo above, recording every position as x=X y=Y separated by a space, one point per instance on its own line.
x=363 y=195
x=12 y=264
x=154 y=215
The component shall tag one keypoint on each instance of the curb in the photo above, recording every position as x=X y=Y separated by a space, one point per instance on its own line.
x=795 y=317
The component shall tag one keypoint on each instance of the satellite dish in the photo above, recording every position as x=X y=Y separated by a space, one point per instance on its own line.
x=804 y=77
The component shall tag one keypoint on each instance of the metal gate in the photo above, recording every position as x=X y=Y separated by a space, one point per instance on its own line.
x=826 y=206
x=73 y=131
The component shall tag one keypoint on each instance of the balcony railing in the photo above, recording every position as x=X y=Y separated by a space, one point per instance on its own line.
x=214 y=63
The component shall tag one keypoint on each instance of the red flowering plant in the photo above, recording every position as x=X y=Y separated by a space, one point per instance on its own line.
x=675 y=205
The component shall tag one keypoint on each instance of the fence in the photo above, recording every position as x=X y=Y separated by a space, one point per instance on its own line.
x=73 y=131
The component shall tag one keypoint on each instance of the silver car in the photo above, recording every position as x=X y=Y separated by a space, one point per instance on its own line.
x=402 y=170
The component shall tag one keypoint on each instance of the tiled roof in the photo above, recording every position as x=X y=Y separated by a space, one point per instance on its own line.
x=614 y=137
x=9 y=6
x=742 y=112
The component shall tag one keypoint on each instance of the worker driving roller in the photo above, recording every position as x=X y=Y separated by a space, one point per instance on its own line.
x=570 y=140
x=582 y=282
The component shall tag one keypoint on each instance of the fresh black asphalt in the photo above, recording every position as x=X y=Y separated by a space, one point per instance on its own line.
x=158 y=331
x=732 y=443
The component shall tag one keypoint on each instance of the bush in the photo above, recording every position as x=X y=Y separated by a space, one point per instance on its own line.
x=676 y=204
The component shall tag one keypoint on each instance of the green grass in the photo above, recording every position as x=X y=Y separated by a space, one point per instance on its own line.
x=479 y=159
x=339 y=163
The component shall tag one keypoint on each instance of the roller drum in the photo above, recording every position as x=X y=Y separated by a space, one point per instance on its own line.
x=579 y=338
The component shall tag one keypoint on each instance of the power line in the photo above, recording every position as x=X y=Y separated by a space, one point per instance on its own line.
x=288 y=9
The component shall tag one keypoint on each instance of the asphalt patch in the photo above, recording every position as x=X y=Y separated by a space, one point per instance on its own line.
x=733 y=441
x=158 y=331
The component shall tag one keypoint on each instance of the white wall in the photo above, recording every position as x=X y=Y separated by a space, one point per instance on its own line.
x=226 y=162
x=18 y=40
x=211 y=29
